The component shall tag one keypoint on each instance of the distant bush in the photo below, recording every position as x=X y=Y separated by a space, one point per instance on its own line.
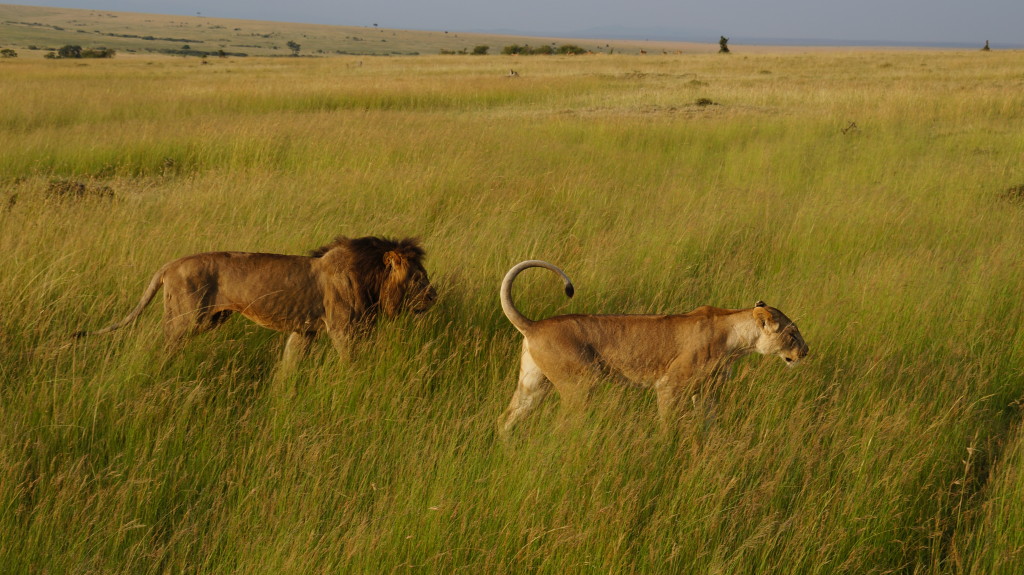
x=99 y=53
x=481 y=50
x=72 y=189
x=201 y=53
x=545 y=50
x=8 y=53
x=1015 y=194
x=571 y=49
x=74 y=51
x=69 y=51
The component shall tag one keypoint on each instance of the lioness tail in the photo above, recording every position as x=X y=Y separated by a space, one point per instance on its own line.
x=520 y=321
x=147 y=296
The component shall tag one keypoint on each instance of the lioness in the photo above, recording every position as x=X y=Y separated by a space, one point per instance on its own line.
x=339 y=288
x=572 y=353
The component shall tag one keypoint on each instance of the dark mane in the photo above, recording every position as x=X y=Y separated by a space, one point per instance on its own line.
x=336 y=242
x=368 y=252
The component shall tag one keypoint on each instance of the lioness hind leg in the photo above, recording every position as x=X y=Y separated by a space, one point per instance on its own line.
x=533 y=386
x=181 y=316
x=669 y=398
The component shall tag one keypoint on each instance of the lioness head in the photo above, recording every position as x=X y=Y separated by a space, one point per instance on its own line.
x=407 y=285
x=779 y=335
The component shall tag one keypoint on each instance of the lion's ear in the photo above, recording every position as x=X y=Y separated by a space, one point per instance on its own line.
x=764 y=318
x=392 y=260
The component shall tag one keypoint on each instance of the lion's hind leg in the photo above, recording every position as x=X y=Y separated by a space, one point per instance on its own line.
x=188 y=312
x=533 y=386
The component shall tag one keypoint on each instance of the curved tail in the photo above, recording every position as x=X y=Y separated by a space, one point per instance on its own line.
x=147 y=296
x=520 y=321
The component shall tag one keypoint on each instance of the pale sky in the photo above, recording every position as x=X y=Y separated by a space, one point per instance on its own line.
x=939 y=22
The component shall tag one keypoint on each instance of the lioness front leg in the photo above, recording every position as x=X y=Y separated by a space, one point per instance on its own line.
x=669 y=394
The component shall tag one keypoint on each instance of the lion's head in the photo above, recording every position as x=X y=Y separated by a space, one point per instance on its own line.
x=390 y=272
x=779 y=335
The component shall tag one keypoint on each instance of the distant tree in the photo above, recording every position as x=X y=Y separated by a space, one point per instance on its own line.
x=8 y=53
x=98 y=53
x=69 y=51
x=571 y=49
x=294 y=47
x=543 y=50
x=481 y=50
x=723 y=45
x=986 y=48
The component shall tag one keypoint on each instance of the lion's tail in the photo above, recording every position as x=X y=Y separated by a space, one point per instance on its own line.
x=520 y=321
x=147 y=296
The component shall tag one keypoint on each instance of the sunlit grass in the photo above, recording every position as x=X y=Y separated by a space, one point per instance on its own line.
x=862 y=193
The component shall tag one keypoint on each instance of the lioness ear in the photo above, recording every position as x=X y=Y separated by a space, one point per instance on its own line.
x=760 y=304
x=764 y=318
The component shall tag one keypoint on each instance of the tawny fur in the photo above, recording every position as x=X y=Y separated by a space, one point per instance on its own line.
x=339 y=288
x=572 y=353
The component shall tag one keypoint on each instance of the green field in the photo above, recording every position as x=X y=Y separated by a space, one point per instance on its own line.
x=875 y=197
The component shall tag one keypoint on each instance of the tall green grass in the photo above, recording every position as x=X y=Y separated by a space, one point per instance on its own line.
x=862 y=193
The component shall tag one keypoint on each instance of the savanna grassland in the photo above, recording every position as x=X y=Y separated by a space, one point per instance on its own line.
x=34 y=31
x=875 y=197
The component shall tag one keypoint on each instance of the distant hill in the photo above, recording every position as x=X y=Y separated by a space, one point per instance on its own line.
x=32 y=30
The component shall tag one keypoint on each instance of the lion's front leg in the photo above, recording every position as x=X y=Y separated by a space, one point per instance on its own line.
x=295 y=350
x=344 y=325
x=344 y=342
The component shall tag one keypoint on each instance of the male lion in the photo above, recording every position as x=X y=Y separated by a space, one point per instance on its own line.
x=572 y=353
x=340 y=288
